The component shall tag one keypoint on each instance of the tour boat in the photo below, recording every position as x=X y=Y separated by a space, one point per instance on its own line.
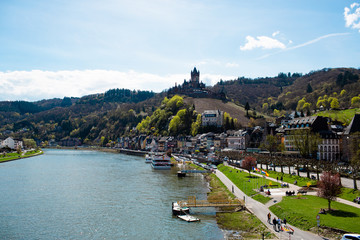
x=177 y=210
x=161 y=162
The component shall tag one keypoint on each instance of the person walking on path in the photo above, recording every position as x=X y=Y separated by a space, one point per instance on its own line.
x=279 y=224
x=274 y=223
x=284 y=221
x=269 y=217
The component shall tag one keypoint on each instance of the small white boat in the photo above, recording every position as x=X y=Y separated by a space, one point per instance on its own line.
x=148 y=158
x=177 y=210
x=188 y=218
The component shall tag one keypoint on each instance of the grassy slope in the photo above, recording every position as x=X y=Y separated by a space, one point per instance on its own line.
x=344 y=116
x=234 y=110
x=307 y=207
x=246 y=183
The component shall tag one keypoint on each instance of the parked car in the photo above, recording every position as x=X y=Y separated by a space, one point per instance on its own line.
x=350 y=236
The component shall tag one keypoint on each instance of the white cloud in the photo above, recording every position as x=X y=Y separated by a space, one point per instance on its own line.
x=232 y=65
x=352 y=16
x=275 y=33
x=36 y=84
x=263 y=42
x=304 y=44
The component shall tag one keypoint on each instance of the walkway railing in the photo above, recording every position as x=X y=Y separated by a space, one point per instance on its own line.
x=193 y=202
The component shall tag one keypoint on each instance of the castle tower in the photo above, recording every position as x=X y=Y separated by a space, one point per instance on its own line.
x=195 y=78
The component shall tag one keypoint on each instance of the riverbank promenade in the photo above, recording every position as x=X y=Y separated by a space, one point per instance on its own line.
x=261 y=211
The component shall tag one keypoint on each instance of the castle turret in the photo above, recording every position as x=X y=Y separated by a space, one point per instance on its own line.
x=195 y=78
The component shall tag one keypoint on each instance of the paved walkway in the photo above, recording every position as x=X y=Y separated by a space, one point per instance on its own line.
x=261 y=211
x=346 y=182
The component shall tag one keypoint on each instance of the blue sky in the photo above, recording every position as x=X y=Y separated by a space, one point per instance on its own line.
x=74 y=48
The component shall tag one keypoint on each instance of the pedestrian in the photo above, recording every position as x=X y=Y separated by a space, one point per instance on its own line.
x=284 y=221
x=269 y=217
x=277 y=178
x=232 y=188
x=279 y=223
x=274 y=223
x=281 y=178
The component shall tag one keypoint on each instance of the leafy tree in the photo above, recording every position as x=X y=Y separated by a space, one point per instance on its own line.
x=329 y=187
x=195 y=126
x=343 y=92
x=29 y=143
x=355 y=102
x=174 y=125
x=265 y=106
x=248 y=163
x=300 y=105
x=335 y=103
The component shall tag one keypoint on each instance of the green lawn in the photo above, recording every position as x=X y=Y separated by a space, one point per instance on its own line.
x=344 y=116
x=301 y=181
x=301 y=212
x=349 y=194
x=246 y=183
x=14 y=156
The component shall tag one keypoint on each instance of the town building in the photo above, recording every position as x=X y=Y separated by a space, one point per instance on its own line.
x=12 y=143
x=212 y=118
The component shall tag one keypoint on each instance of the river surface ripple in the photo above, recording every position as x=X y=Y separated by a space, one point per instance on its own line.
x=77 y=194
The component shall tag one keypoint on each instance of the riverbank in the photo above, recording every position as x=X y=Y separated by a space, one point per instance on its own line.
x=16 y=156
x=236 y=224
x=104 y=149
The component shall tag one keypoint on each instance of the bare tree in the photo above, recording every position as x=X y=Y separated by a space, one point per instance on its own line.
x=355 y=156
x=307 y=143
x=329 y=186
x=248 y=163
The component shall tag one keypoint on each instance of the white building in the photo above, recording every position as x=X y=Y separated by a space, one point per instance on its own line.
x=212 y=118
x=11 y=143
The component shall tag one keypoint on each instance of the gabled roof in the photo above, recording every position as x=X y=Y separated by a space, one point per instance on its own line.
x=354 y=125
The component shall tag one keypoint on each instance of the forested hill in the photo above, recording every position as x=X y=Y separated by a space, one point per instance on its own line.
x=283 y=92
x=109 y=114
x=253 y=91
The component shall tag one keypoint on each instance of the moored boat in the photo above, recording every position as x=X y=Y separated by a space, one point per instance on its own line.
x=177 y=210
x=161 y=162
x=181 y=174
x=148 y=158
x=188 y=218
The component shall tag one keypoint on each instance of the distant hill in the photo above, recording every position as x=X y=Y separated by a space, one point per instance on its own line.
x=317 y=84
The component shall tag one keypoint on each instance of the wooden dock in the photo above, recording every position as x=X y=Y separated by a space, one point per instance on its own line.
x=193 y=202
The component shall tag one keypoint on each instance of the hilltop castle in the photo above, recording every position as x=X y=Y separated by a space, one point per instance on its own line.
x=194 y=87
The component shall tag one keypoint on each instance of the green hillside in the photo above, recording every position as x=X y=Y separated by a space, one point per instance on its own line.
x=344 y=116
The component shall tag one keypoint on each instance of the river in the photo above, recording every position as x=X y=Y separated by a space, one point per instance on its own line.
x=77 y=194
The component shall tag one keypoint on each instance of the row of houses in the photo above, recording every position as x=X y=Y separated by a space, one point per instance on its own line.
x=334 y=144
